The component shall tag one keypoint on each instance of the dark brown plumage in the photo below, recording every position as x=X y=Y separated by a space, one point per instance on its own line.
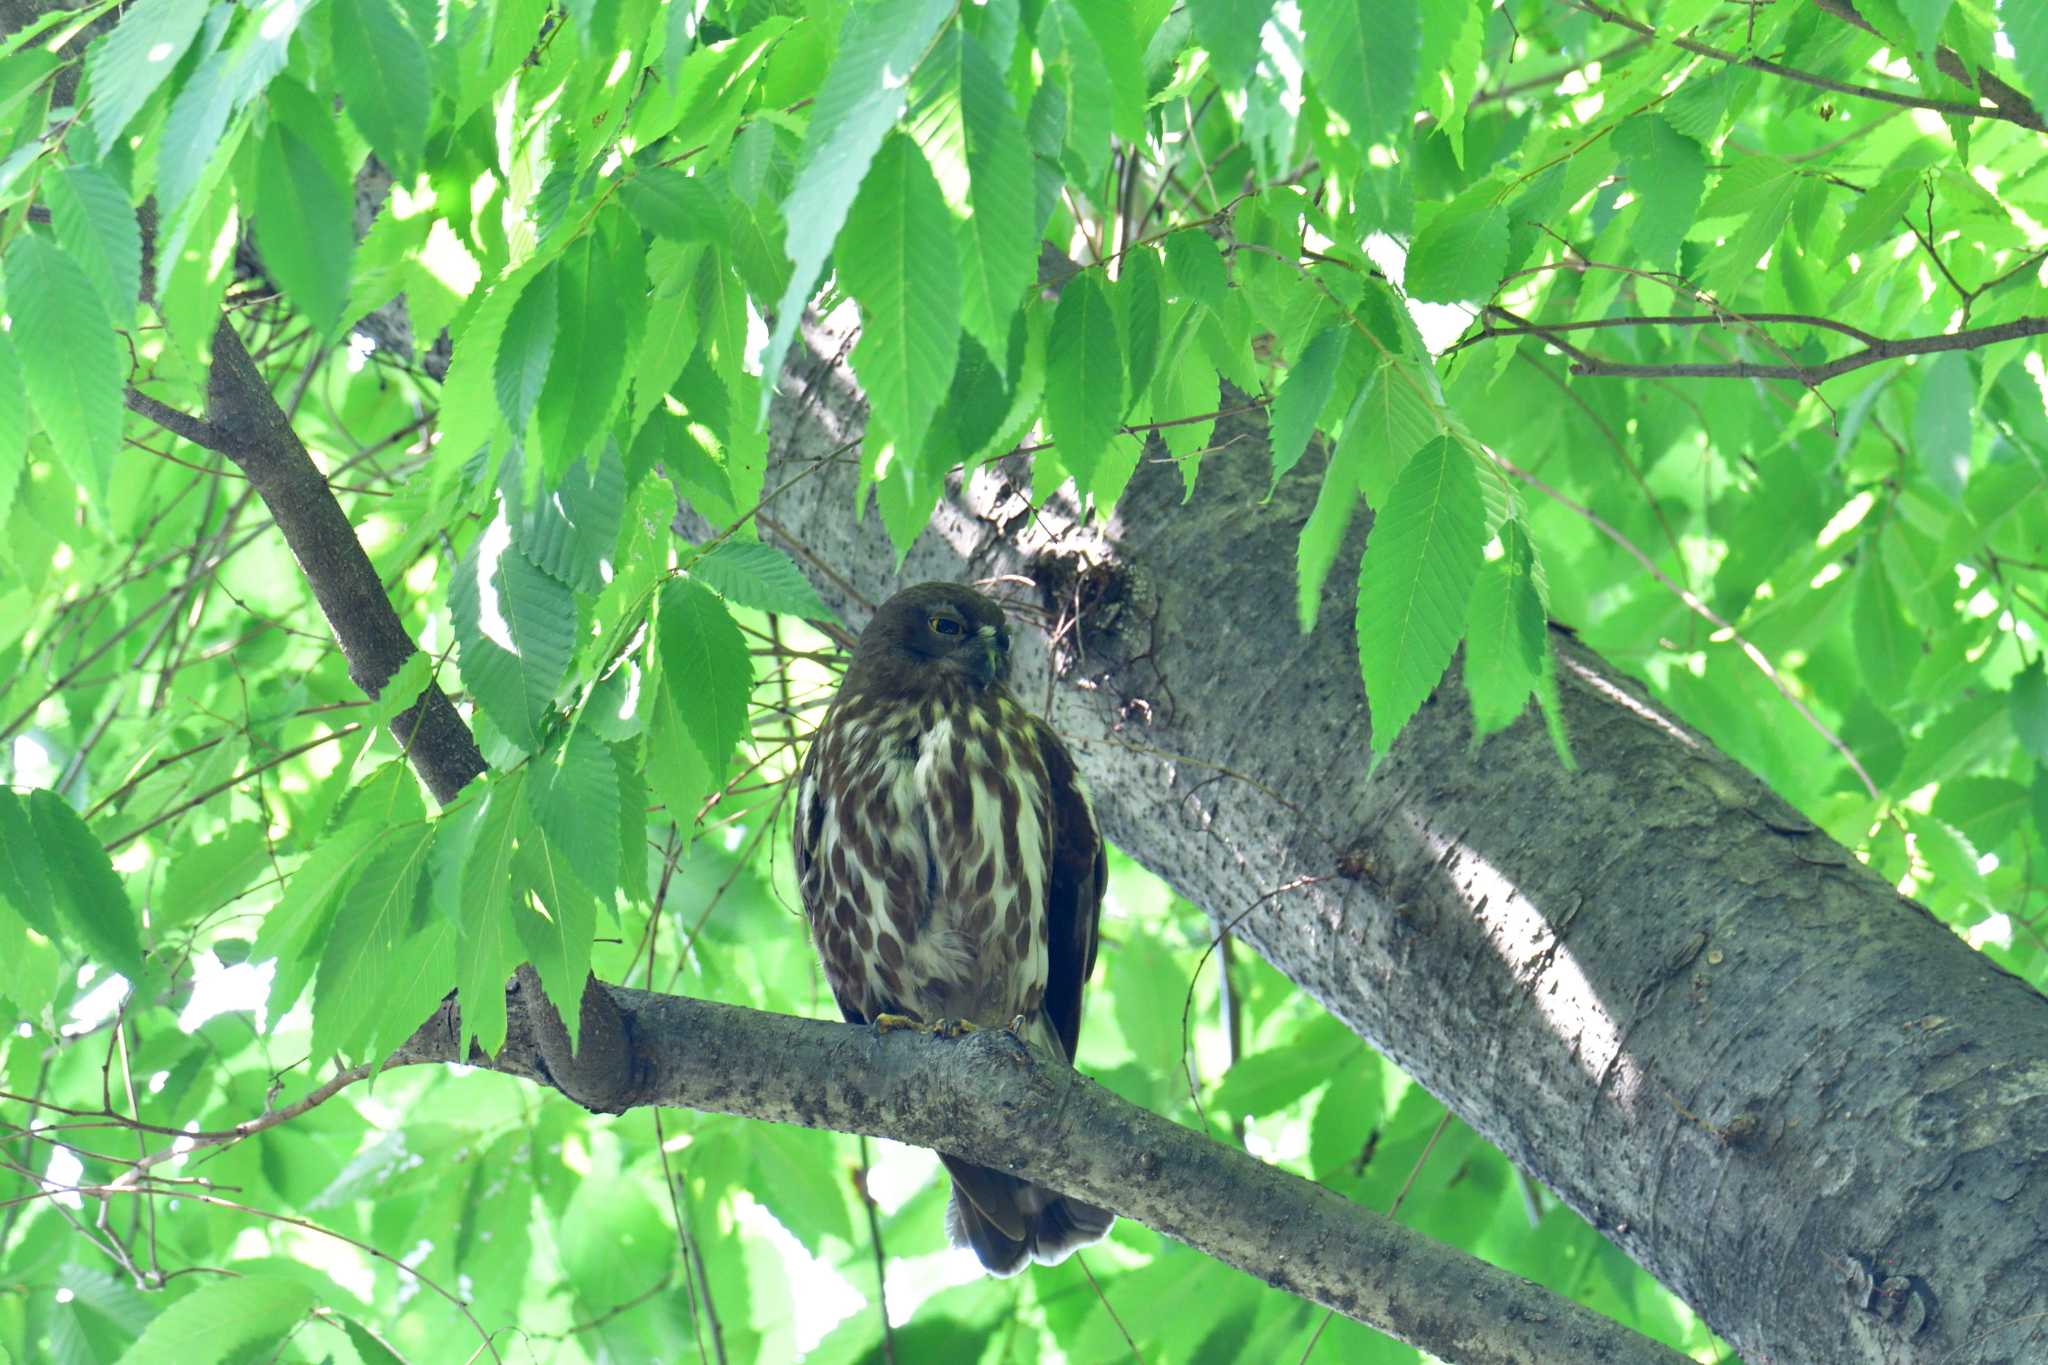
x=951 y=870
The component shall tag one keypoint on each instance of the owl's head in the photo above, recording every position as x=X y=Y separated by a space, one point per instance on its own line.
x=937 y=626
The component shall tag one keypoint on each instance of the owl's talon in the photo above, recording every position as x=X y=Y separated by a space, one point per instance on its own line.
x=1016 y=1029
x=888 y=1023
x=955 y=1028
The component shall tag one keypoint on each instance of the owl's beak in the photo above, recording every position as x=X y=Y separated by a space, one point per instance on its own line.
x=992 y=660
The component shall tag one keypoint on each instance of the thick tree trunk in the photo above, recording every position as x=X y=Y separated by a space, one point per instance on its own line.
x=1790 y=1094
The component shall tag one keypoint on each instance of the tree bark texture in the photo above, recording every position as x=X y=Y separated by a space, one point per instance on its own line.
x=988 y=1098
x=1789 y=1093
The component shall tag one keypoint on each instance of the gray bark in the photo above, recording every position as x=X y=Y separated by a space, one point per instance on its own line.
x=1787 y=1092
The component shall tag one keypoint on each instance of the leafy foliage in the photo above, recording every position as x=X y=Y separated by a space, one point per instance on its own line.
x=1712 y=334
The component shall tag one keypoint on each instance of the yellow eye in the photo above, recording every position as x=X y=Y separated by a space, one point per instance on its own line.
x=945 y=625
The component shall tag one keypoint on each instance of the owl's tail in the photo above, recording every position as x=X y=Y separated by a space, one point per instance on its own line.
x=1009 y=1221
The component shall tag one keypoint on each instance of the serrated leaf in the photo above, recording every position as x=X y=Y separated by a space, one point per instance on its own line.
x=196 y=132
x=1415 y=583
x=1197 y=268
x=1942 y=425
x=1084 y=392
x=1140 y=297
x=525 y=347
x=381 y=66
x=896 y=258
x=2026 y=28
x=485 y=955
x=515 y=628
x=749 y=573
x=679 y=207
x=1301 y=398
x=193 y=272
x=557 y=936
x=1363 y=55
x=1504 y=638
x=1322 y=535
x=1887 y=648
x=401 y=690
x=797 y=1179
x=24 y=876
x=304 y=223
x=586 y=374
x=706 y=674
x=361 y=958
x=2030 y=710
x=96 y=225
x=1667 y=173
x=1459 y=254
x=65 y=342
x=222 y=1320
x=1388 y=423
x=996 y=257
x=574 y=793
x=858 y=104
x=572 y=532
x=295 y=928
x=204 y=878
x=13 y=425
x=1230 y=30
x=89 y=898
x=126 y=67
x=1078 y=69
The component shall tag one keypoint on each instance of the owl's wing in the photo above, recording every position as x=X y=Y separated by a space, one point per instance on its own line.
x=811 y=801
x=1074 y=896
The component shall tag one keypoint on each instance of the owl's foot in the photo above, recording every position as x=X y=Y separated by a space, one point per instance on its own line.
x=888 y=1023
x=1016 y=1029
x=955 y=1028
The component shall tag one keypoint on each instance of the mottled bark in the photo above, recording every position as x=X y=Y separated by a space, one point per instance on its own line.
x=1789 y=1093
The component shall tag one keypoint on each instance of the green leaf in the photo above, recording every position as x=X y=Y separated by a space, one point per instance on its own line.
x=706 y=674
x=1942 y=425
x=361 y=960
x=14 y=424
x=1140 y=298
x=1301 y=398
x=96 y=225
x=24 y=875
x=1887 y=648
x=1505 y=637
x=128 y=64
x=1230 y=30
x=295 y=929
x=797 y=1177
x=1197 y=268
x=2026 y=28
x=557 y=936
x=574 y=793
x=74 y=367
x=896 y=258
x=1415 y=583
x=1076 y=68
x=1084 y=392
x=1362 y=56
x=748 y=573
x=525 y=347
x=489 y=900
x=1322 y=535
x=304 y=223
x=572 y=532
x=197 y=133
x=193 y=273
x=2030 y=710
x=856 y=107
x=1667 y=172
x=1389 y=421
x=586 y=374
x=208 y=876
x=996 y=255
x=679 y=207
x=222 y=1320
x=515 y=628
x=89 y=897
x=1460 y=254
x=381 y=67
x=1927 y=17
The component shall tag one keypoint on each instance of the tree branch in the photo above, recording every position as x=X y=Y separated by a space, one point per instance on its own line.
x=1587 y=365
x=987 y=1098
x=2025 y=118
x=2015 y=107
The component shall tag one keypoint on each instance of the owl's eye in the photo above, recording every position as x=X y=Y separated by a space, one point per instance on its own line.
x=946 y=625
